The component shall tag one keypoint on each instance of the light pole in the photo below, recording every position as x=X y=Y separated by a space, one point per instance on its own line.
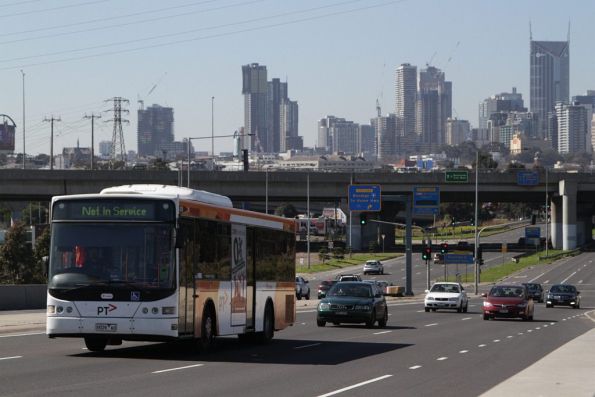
x=383 y=236
x=213 y=127
x=308 y=215
x=24 y=153
x=266 y=188
x=190 y=139
x=547 y=217
x=476 y=259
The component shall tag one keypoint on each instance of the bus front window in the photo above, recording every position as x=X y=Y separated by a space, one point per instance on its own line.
x=136 y=254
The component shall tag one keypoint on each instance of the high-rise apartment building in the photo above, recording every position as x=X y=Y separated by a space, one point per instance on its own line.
x=573 y=128
x=386 y=136
x=503 y=102
x=406 y=92
x=367 y=141
x=337 y=135
x=288 y=126
x=276 y=97
x=433 y=107
x=254 y=89
x=549 y=78
x=155 y=130
x=457 y=131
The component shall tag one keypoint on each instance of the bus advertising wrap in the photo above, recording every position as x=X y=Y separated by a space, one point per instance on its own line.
x=238 y=275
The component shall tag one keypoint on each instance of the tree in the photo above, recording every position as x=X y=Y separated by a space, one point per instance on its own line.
x=158 y=164
x=286 y=210
x=16 y=256
x=34 y=213
x=42 y=250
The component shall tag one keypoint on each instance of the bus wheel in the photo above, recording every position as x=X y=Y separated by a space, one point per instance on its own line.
x=95 y=343
x=207 y=330
x=268 y=325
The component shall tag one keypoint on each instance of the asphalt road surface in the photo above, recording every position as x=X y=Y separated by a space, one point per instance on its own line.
x=437 y=353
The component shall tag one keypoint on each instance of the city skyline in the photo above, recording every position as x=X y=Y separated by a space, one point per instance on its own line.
x=332 y=68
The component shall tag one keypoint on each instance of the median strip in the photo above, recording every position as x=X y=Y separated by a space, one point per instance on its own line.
x=355 y=386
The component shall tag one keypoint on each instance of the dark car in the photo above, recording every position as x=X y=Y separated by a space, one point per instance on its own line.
x=324 y=286
x=535 y=291
x=353 y=302
x=563 y=295
x=510 y=301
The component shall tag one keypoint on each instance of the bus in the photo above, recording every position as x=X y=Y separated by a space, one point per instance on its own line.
x=160 y=263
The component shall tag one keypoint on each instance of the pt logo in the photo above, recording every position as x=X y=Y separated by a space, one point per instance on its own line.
x=105 y=309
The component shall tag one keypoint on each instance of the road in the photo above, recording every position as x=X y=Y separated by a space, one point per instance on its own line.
x=418 y=353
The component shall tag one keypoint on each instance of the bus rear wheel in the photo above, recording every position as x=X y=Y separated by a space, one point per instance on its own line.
x=268 y=331
x=207 y=330
x=95 y=343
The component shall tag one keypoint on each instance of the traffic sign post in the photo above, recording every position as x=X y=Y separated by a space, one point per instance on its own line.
x=453 y=259
x=426 y=200
x=364 y=198
x=527 y=178
x=456 y=177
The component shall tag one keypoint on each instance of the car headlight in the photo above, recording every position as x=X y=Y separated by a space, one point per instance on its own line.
x=430 y=297
x=324 y=306
x=487 y=304
x=361 y=307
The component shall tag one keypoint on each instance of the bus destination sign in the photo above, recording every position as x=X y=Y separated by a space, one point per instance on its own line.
x=112 y=210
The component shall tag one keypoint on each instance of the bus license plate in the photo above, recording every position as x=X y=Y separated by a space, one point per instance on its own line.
x=104 y=327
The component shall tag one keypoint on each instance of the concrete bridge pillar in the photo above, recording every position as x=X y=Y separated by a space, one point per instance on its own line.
x=584 y=224
x=556 y=222
x=569 y=229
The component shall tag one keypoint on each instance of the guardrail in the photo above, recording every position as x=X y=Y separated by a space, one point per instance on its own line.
x=23 y=297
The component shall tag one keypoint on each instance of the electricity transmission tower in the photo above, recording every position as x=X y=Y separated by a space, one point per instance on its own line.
x=118 y=149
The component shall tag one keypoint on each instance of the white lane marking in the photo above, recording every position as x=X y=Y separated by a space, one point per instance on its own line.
x=472 y=305
x=535 y=278
x=563 y=319
x=178 y=368
x=305 y=346
x=566 y=279
x=382 y=332
x=496 y=340
x=552 y=323
x=421 y=311
x=521 y=333
x=355 y=386
x=544 y=325
x=580 y=281
x=441 y=358
x=27 y=334
x=10 y=358
x=303 y=323
x=529 y=330
x=466 y=318
x=464 y=351
x=546 y=281
x=482 y=345
x=537 y=327
x=415 y=367
x=431 y=325
x=509 y=336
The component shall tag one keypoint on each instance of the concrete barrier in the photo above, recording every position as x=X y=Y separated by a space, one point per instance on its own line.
x=23 y=297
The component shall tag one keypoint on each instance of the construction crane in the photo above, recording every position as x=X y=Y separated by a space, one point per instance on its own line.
x=141 y=101
x=378 y=110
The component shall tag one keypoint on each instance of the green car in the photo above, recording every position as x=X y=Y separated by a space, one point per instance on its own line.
x=353 y=302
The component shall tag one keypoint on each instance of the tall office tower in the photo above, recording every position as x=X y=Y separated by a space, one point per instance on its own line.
x=337 y=135
x=549 y=78
x=276 y=96
x=288 y=126
x=155 y=130
x=406 y=92
x=323 y=141
x=588 y=100
x=503 y=102
x=254 y=89
x=386 y=136
x=433 y=107
x=573 y=128
x=367 y=141
x=457 y=131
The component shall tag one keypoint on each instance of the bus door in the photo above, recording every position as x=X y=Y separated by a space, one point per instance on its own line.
x=239 y=276
x=186 y=298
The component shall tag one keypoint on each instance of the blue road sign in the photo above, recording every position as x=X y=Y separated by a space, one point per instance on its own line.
x=426 y=200
x=364 y=197
x=452 y=259
x=527 y=178
x=532 y=232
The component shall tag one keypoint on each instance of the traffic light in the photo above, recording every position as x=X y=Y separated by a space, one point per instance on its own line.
x=444 y=248
x=363 y=218
x=426 y=253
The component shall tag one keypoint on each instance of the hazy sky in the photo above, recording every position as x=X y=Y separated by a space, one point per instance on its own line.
x=337 y=56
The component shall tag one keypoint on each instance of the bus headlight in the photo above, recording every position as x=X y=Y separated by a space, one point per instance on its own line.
x=59 y=309
x=154 y=310
x=145 y=310
x=51 y=309
x=168 y=310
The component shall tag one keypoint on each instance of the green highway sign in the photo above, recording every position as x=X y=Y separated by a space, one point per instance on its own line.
x=457 y=176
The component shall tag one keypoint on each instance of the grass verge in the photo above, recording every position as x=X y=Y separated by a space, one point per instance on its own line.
x=333 y=264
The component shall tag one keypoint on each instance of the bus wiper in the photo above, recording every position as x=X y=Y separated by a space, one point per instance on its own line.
x=123 y=282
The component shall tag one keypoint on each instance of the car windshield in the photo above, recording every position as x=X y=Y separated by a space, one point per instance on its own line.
x=563 y=288
x=452 y=288
x=507 y=292
x=533 y=287
x=359 y=290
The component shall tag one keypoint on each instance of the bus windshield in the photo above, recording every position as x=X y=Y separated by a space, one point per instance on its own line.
x=140 y=255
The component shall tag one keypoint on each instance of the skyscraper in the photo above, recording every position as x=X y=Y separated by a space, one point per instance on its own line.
x=155 y=130
x=276 y=97
x=549 y=78
x=573 y=128
x=406 y=91
x=434 y=107
x=254 y=89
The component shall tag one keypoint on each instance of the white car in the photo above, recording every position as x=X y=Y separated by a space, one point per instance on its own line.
x=373 y=266
x=445 y=295
x=302 y=288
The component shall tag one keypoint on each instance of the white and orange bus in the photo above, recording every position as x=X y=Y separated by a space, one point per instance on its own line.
x=155 y=262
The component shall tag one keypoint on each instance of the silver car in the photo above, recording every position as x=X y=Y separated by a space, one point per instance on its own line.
x=373 y=266
x=302 y=288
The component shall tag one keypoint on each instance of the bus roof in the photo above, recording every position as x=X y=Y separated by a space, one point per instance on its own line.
x=171 y=191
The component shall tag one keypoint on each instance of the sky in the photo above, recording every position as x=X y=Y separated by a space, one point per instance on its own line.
x=338 y=58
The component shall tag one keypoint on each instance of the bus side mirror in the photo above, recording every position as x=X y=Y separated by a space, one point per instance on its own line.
x=45 y=262
x=179 y=238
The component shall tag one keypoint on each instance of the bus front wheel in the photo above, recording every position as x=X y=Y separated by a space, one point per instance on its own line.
x=207 y=330
x=95 y=343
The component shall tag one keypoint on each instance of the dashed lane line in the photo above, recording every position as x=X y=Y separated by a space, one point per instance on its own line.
x=482 y=345
x=566 y=279
x=382 y=332
x=26 y=334
x=466 y=318
x=464 y=351
x=441 y=358
x=306 y=346
x=431 y=325
x=177 y=369
x=332 y=393
x=496 y=340
x=10 y=358
x=415 y=367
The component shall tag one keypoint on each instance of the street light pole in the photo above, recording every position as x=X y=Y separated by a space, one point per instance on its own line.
x=213 y=127
x=24 y=153
x=476 y=221
x=547 y=218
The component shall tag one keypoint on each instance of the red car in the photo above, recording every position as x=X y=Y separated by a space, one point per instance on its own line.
x=510 y=301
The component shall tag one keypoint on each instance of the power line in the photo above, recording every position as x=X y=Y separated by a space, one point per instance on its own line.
x=44 y=10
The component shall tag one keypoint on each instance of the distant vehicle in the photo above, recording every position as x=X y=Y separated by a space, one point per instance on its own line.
x=353 y=302
x=535 y=291
x=510 y=301
x=348 y=277
x=324 y=286
x=438 y=258
x=446 y=296
x=302 y=288
x=563 y=295
x=373 y=266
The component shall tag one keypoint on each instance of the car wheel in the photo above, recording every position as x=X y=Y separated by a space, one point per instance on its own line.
x=433 y=310
x=382 y=322
x=466 y=307
x=372 y=320
x=382 y=271
x=531 y=318
x=549 y=305
x=336 y=323
x=427 y=309
x=460 y=308
x=95 y=343
x=486 y=316
x=308 y=296
x=320 y=323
